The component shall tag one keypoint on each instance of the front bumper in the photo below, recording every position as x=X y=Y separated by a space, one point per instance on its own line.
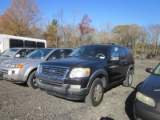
x=13 y=75
x=63 y=90
x=145 y=112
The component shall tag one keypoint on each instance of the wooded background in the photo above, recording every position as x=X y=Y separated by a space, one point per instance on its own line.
x=23 y=18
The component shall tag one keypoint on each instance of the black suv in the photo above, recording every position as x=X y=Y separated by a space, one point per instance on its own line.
x=87 y=72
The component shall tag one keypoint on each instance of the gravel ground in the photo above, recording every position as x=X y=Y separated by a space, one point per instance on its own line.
x=19 y=102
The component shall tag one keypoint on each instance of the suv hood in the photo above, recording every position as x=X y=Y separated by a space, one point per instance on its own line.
x=151 y=86
x=75 y=61
x=22 y=61
x=5 y=58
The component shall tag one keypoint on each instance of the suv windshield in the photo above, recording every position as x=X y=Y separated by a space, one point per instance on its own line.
x=39 y=54
x=90 y=51
x=9 y=52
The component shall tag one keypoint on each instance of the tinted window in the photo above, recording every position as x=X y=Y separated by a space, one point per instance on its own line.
x=114 y=52
x=68 y=52
x=55 y=55
x=30 y=43
x=16 y=43
x=122 y=53
x=40 y=45
x=24 y=52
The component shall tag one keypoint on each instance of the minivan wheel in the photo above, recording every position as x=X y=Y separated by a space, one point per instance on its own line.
x=95 y=96
x=32 y=81
x=129 y=79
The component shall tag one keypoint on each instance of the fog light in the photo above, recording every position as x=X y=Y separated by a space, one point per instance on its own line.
x=75 y=86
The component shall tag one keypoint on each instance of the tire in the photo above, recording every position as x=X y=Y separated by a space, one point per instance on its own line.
x=32 y=81
x=93 y=99
x=129 y=79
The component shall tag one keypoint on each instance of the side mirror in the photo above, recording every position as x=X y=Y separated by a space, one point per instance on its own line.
x=115 y=58
x=17 y=55
x=149 y=70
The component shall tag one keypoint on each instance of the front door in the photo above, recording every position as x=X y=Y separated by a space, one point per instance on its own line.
x=114 y=66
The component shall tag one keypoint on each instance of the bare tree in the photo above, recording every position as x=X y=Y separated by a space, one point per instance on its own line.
x=105 y=34
x=67 y=31
x=135 y=34
x=155 y=37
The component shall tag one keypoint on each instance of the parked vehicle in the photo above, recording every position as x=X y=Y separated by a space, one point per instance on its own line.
x=147 y=101
x=87 y=72
x=23 y=70
x=10 y=41
x=151 y=55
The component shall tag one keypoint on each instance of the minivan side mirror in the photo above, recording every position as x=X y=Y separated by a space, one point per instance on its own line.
x=149 y=70
x=114 y=58
x=17 y=55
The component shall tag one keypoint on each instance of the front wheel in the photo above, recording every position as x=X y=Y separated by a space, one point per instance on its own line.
x=95 y=96
x=129 y=79
x=32 y=81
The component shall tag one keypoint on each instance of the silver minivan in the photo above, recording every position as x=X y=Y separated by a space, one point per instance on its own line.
x=23 y=70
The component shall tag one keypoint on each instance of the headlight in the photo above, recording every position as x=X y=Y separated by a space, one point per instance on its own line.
x=15 y=65
x=79 y=72
x=39 y=69
x=145 y=99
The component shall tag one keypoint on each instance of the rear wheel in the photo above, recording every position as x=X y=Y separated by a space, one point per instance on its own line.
x=32 y=81
x=95 y=96
x=129 y=79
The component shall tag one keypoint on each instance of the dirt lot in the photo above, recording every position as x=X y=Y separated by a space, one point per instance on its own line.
x=19 y=102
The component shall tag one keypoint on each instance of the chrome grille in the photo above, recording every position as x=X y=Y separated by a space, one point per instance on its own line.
x=55 y=71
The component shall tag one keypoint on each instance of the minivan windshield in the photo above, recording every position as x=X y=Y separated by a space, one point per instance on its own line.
x=90 y=51
x=39 y=54
x=9 y=52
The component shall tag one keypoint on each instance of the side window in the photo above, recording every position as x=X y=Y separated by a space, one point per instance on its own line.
x=16 y=43
x=68 y=52
x=22 y=52
x=29 y=51
x=122 y=53
x=56 y=55
x=40 y=45
x=114 y=52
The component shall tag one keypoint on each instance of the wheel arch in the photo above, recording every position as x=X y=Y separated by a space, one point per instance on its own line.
x=131 y=68
x=102 y=74
x=32 y=70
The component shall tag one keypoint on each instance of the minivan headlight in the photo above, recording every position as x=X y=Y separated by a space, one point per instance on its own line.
x=79 y=72
x=15 y=65
x=145 y=99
